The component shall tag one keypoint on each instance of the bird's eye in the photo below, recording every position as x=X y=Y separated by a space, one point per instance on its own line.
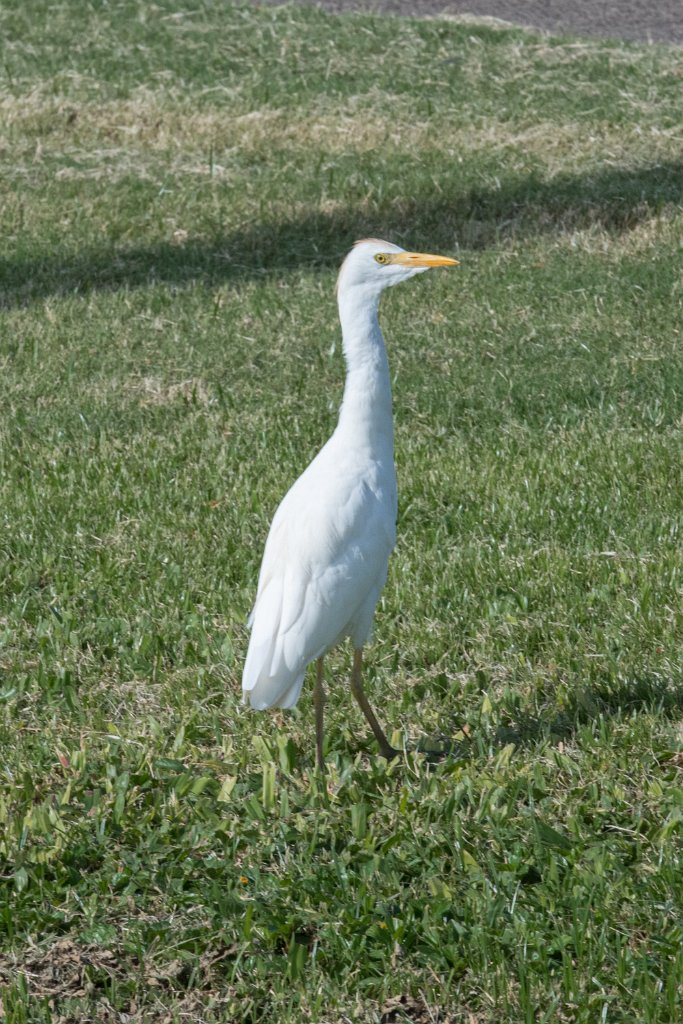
x=381 y=257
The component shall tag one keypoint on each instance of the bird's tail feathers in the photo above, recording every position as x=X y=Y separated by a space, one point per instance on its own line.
x=268 y=681
x=262 y=690
x=266 y=695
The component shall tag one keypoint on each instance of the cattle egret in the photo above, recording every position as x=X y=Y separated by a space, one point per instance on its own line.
x=326 y=556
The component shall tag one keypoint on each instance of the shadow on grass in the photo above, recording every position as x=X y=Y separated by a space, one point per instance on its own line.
x=613 y=199
x=589 y=705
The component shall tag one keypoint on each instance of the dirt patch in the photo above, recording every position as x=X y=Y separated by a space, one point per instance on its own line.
x=63 y=970
x=152 y=391
x=408 y=1010
x=75 y=979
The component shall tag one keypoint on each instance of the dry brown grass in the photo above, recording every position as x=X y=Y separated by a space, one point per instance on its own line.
x=129 y=136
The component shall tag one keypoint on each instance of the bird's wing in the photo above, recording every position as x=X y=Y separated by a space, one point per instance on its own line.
x=326 y=552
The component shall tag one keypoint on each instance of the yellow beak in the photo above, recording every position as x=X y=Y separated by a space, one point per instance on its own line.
x=423 y=259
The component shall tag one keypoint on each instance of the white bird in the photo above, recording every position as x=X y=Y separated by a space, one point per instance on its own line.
x=326 y=556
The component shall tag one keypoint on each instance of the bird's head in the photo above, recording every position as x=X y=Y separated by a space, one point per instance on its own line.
x=374 y=265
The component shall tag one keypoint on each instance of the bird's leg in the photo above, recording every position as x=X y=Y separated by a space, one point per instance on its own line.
x=385 y=748
x=319 y=701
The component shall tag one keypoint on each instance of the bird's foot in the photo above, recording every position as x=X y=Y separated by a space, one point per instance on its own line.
x=389 y=752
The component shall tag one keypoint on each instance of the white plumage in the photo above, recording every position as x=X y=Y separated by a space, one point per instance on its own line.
x=327 y=552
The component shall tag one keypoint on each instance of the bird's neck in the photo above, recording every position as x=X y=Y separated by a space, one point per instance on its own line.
x=365 y=414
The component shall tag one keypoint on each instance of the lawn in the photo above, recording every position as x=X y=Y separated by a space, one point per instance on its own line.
x=178 y=185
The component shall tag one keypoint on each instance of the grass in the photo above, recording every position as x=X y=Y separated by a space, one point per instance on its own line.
x=179 y=188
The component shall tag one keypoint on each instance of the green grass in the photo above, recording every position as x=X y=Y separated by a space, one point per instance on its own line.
x=178 y=190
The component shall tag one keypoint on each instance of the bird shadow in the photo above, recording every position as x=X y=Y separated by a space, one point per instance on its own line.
x=586 y=706
x=615 y=199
